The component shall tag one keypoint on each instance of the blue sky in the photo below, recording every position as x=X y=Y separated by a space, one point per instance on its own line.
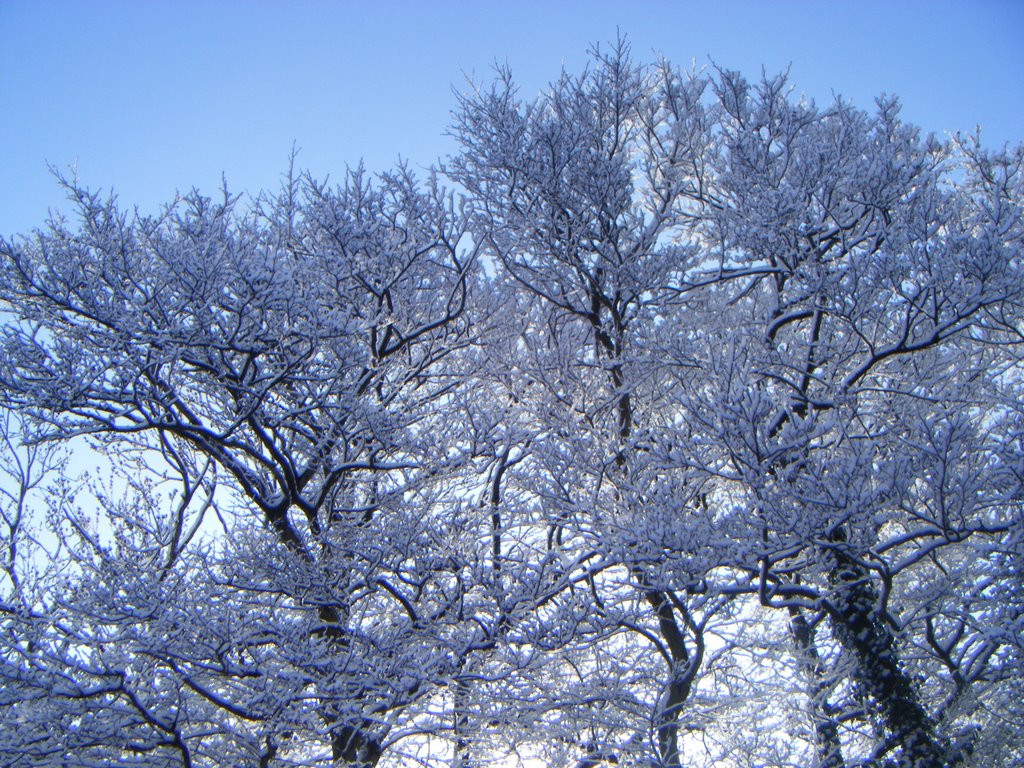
x=150 y=97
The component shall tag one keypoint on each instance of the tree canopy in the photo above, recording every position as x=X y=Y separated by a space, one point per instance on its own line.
x=673 y=421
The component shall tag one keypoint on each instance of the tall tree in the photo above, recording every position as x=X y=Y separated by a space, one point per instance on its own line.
x=584 y=195
x=299 y=350
x=884 y=314
x=815 y=291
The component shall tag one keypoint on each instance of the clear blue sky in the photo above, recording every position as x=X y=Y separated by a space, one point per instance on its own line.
x=150 y=97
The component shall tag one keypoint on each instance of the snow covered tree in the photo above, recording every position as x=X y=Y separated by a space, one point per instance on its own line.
x=300 y=352
x=689 y=434
x=866 y=371
x=582 y=195
x=766 y=314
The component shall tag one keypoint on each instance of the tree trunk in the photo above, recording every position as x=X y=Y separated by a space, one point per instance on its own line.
x=681 y=674
x=827 y=746
x=463 y=742
x=869 y=642
x=355 y=747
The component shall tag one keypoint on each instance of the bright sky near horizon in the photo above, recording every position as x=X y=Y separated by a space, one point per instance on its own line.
x=149 y=98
